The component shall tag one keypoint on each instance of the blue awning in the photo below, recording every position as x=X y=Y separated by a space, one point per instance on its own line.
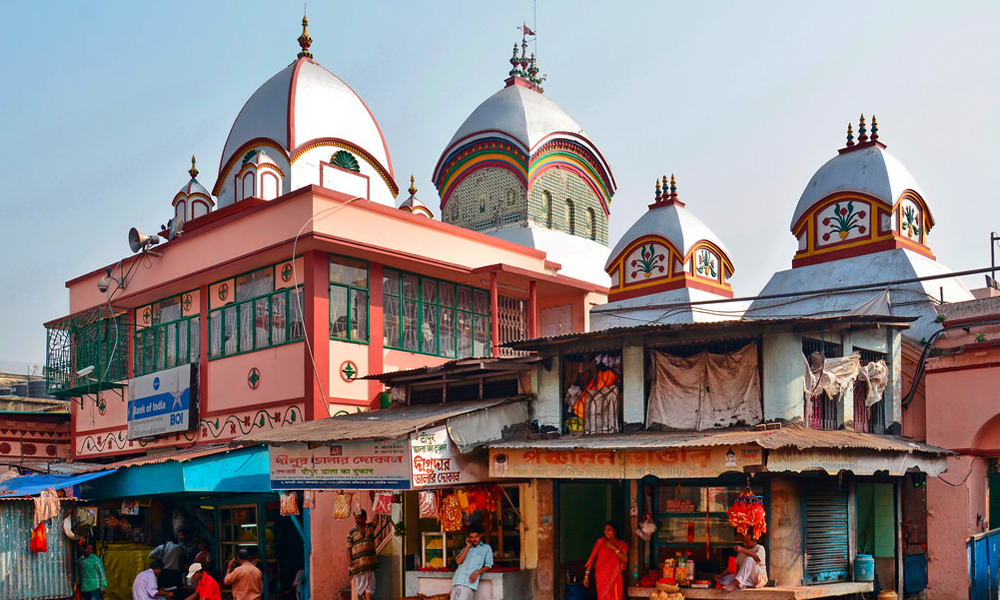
x=32 y=485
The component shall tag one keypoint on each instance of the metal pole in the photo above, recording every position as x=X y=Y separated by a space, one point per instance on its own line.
x=993 y=259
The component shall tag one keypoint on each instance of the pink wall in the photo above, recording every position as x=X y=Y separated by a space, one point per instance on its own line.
x=952 y=510
x=280 y=380
x=329 y=561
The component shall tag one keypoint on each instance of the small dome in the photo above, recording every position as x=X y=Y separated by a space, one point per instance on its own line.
x=300 y=108
x=413 y=205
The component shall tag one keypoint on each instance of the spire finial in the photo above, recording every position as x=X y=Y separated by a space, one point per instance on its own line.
x=659 y=193
x=850 y=135
x=874 y=129
x=673 y=187
x=194 y=169
x=862 y=132
x=413 y=186
x=304 y=40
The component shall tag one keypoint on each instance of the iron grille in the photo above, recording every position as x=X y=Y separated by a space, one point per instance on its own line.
x=97 y=338
x=512 y=322
x=825 y=529
x=821 y=410
x=868 y=419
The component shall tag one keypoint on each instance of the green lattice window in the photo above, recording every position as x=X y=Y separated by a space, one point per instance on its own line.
x=170 y=340
x=87 y=352
x=261 y=317
x=348 y=299
x=436 y=317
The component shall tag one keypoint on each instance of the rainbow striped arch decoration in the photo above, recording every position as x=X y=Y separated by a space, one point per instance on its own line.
x=573 y=156
x=488 y=152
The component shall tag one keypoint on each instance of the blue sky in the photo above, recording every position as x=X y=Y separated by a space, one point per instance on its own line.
x=105 y=102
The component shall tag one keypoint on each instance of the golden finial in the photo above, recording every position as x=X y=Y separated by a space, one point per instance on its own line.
x=874 y=129
x=194 y=169
x=413 y=186
x=850 y=135
x=673 y=186
x=659 y=194
x=304 y=40
x=862 y=132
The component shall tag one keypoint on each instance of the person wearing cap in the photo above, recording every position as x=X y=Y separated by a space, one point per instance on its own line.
x=246 y=579
x=208 y=588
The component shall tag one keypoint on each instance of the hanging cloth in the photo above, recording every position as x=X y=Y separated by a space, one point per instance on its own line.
x=46 y=506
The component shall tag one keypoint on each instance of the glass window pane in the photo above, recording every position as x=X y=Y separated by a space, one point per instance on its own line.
x=166 y=311
x=390 y=282
x=296 y=324
x=182 y=343
x=262 y=322
x=410 y=325
x=482 y=302
x=246 y=327
x=359 y=315
x=254 y=284
x=229 y=335
x=138 y=353
x=428 y=329
x=482 y=339
x=150 y=350
x=410 y=286
x=338 y=312
x=194 y=339
x=348 y=272
x=429 y=289
x=279 y=310
x=447 y=336
x=160 y=350
x=447 y=294
x=171 y=345
x=215 y=334
x=465 y=298
x=390 y=322
x=464 y=334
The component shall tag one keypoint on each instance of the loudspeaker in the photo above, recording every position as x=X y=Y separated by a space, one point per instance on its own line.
x=140 y=241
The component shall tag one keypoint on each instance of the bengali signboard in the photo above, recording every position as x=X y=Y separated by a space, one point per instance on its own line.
x=665 y=463
x=436 y=460
x=163 y=402
x=364 y=465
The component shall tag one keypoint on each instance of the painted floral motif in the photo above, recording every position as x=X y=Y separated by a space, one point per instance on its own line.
x=706 y=264
x=843 y=221
x=911 y=222
x=649 y=262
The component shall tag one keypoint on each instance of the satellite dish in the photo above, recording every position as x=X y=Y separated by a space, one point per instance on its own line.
x=138 y=241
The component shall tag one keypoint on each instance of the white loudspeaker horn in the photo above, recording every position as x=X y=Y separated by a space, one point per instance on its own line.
x=140 y=241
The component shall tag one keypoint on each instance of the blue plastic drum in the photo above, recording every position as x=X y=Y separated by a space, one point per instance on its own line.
x=864 y=568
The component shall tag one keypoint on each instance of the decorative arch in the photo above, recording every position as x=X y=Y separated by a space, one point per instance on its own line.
x=653 y=264
x=570 y=216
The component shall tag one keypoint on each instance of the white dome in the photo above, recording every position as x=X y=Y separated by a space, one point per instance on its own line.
x=304 y=103
x=524 y=115
x=673 y=222
x=870 y=170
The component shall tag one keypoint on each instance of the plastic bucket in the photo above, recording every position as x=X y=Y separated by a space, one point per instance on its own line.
x=864 y=568
x=575 y=591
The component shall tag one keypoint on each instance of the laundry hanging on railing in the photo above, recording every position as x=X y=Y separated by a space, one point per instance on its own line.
x=833 y=375
x=705 y=390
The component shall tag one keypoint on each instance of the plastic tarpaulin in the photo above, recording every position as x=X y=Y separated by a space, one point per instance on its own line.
x=833 y=375
x=32 y=485
x=705 y=390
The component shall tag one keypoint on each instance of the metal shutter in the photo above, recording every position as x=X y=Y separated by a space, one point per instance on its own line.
x=825 y=530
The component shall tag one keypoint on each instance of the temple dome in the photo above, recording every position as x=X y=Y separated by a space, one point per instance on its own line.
x=304 y=109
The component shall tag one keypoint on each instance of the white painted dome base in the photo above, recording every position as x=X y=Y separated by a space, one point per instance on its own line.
x=580 y=258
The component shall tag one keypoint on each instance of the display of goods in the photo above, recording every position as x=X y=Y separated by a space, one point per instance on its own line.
x=342 y=506
x=289 y=503
x=667 y=587
x=668 y=572
x=428 y=505
x=680 y=573
x=649 y=580
x=747 y=514
x=451 y=514
x=666 y=596
x=383 y=503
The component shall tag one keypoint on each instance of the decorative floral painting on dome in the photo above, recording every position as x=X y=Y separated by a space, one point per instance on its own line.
x=909 y=220
x=705 y=264
x=650 y=261
x=841 y=221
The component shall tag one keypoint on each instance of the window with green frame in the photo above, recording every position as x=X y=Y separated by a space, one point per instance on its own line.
x=436 y=317
x=259 y=318
x=170 y=340
x=348 y=299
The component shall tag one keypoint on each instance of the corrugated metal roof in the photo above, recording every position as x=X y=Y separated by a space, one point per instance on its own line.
x=37 y=465
x=388 y=424
x=739 y=327
x=181 y=455
x=461 y=365
x=789 y=436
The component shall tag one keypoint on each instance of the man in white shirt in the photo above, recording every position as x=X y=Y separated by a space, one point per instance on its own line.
x=751 y=568
x=144 y=587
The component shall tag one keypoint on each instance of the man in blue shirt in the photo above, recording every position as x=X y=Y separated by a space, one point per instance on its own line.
x=475 y=559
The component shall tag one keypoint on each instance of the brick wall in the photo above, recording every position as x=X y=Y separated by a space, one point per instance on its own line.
x=561 y=185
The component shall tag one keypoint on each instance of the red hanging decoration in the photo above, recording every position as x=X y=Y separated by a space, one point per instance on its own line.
x=747 y=514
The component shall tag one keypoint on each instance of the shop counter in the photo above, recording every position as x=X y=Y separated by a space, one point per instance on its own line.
x=829 y=590
x=493 y=585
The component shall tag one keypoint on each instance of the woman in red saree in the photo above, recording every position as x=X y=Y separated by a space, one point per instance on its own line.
x=608 y=560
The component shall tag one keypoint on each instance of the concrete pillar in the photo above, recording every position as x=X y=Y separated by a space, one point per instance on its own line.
x=847 y=396
x=544 y=582
x=786 y=566
x=633 y=383
x=548 y=407
x=782 y=384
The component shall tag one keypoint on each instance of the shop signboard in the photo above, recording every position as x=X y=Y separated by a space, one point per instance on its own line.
x=361 y=465
x=665 y=463
x=436 y=460
x=163 y=402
